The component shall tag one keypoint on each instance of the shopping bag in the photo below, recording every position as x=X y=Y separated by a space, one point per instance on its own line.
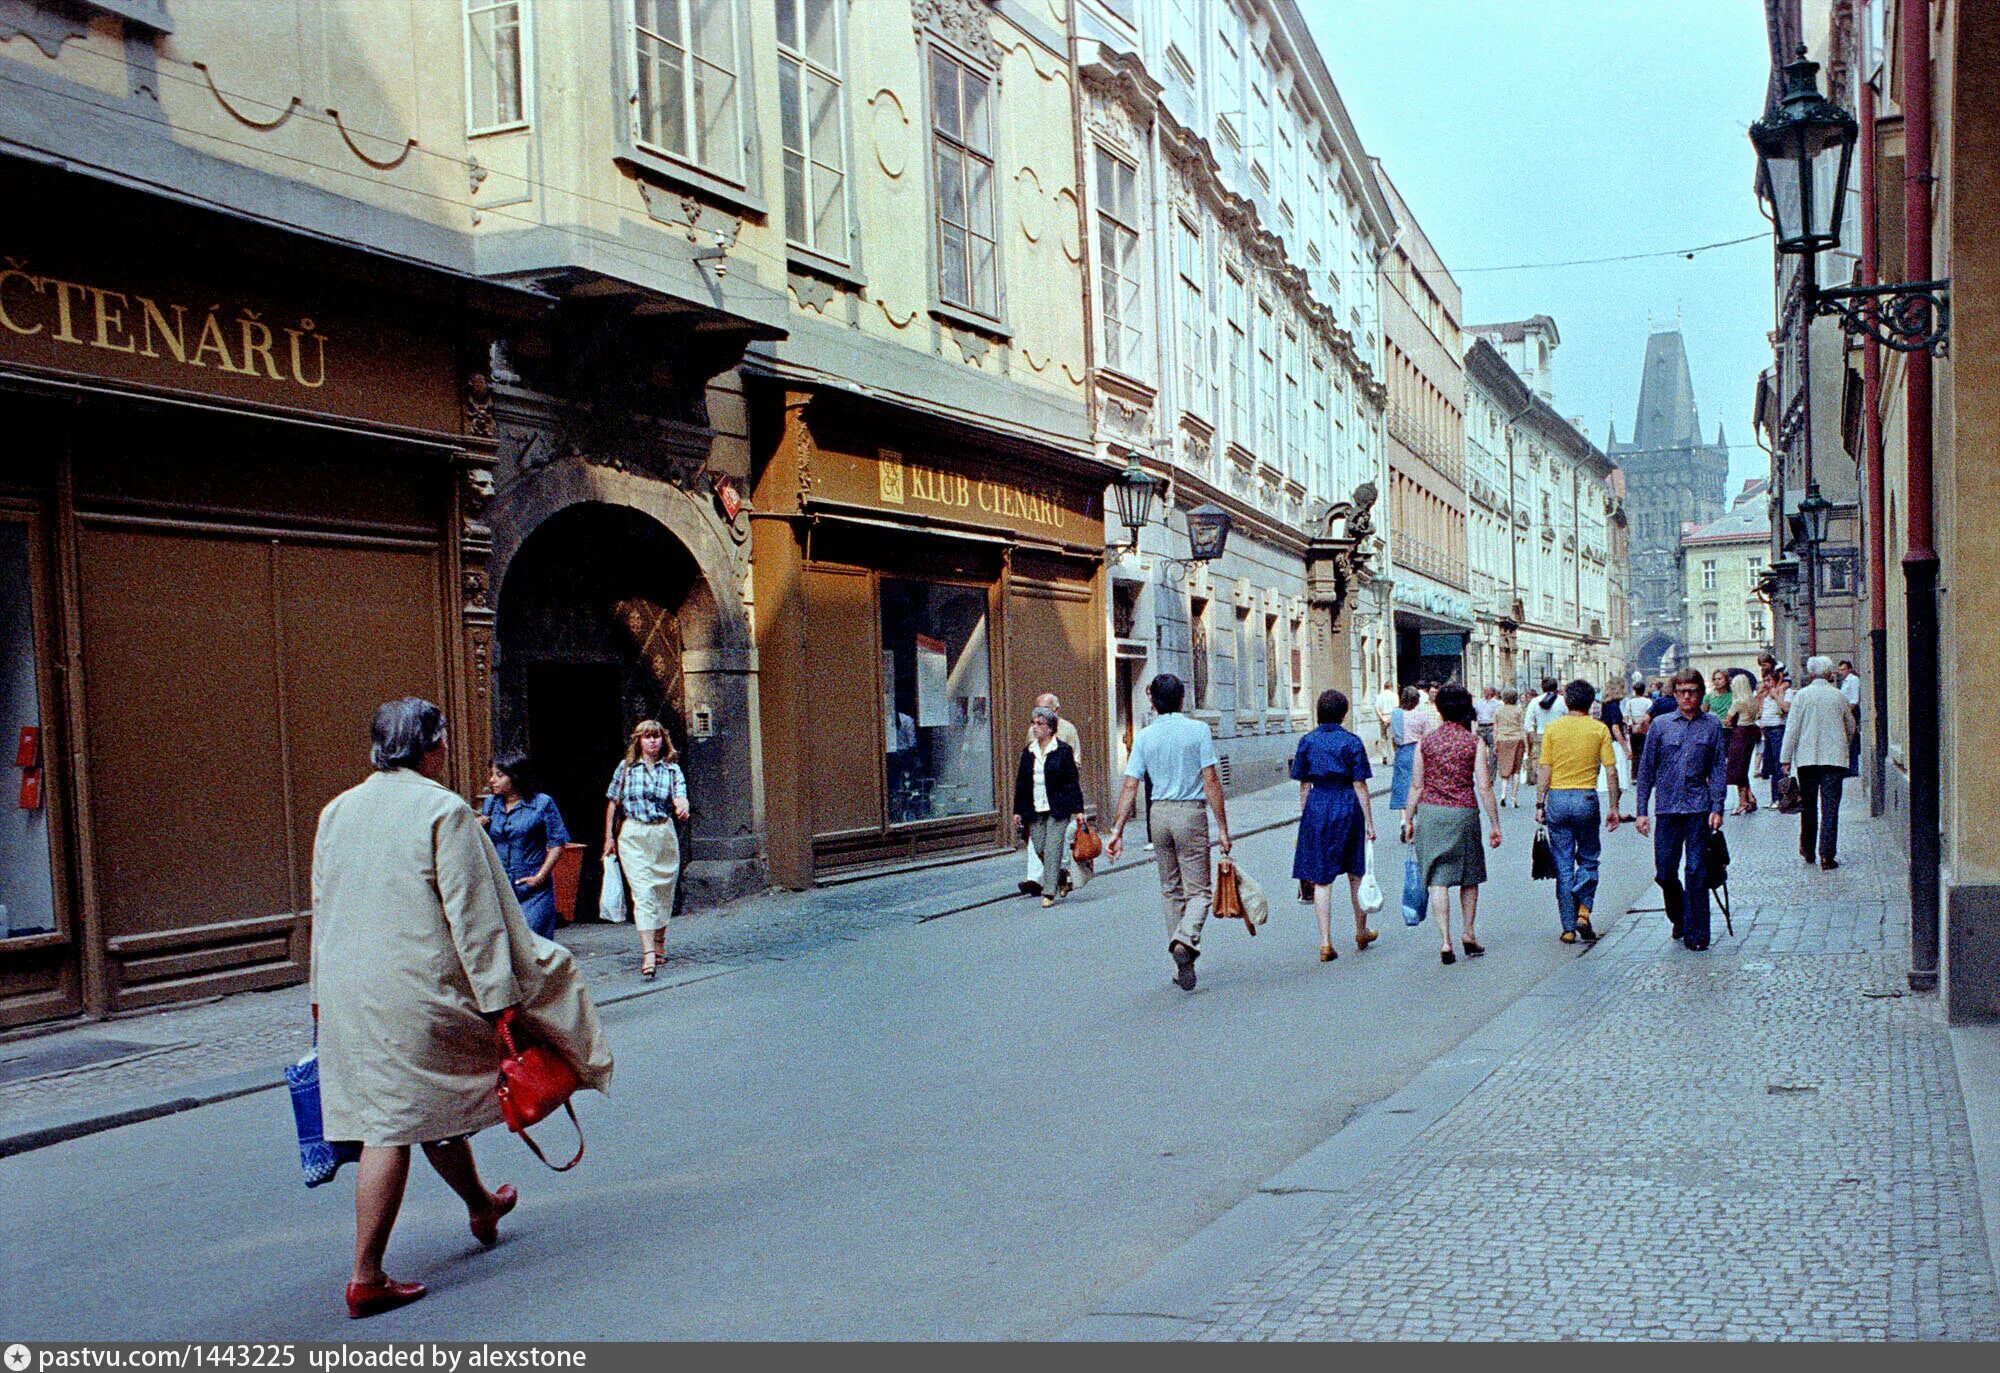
x=1371 y=889
x=1256 y=909
x=1543 y=865
x=1085 y=846
x=1414 y=895
x=612 y=904
x=317 y=1157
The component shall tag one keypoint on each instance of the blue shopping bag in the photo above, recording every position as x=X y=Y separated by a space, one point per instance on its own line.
x=320 y=1159
x=1415 y=897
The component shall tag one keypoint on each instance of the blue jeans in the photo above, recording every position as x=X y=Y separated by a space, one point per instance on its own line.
x=1574 y=839
x=1774 y=743
x=1671 y=835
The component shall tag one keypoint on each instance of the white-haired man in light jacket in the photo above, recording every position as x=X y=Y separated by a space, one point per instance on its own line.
x=1817 y=730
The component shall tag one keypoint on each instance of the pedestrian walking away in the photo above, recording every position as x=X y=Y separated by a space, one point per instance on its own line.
x=1031 y=879
x=418 y=947
x=1386 y=703
x=1817 y=733
x=1176 y=755
x=1406 y=751
x=649 y=792
x=1336 y=818
x=1683 y=778
x=1452 y=787
x=1739 y=721
x=526 y=828
x=1543 y=711
x=1484 y=711
x=1574 y=748
x=1510 y=746
x=1048 y=793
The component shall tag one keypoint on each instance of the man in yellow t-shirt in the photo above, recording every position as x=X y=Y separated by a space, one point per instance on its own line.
x=1574 y=747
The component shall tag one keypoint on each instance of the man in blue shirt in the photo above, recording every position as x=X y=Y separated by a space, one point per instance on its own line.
x=1176 y=757
x=1683 y=776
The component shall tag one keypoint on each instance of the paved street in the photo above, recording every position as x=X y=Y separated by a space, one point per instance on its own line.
x=999 y=1123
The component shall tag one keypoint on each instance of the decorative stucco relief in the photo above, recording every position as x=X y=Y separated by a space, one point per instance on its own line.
x=1067 y=228
x=260 y=125
x=889 y=130
x=1032 y=205
x=963 y=24
x=1024 y=49
x=379 y=164
x=48 y=28
x=890 y=315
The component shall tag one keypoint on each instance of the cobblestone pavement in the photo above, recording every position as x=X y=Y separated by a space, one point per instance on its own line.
x=262 y=1030
x=1766 y=1141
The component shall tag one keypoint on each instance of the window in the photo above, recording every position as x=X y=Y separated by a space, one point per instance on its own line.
x=1313 y=212
x=1321 y=433
x=1118 y=260
x=1246 y=663
x=1273 y=690
x=1288 y=172
x=1263 y=136
x=1267 y=384
x=1183 y=37
x=809 y=116
x=688 y=96
x=495 y=65
x=1708 y=574
x=937 y=701
x=1198 y=651
x=1295 y=410
x=1229 y=72
x=1753 y=623
x=1710 y=626
x=962 y=148
x=1197 y=377
x=1236 y=305
x=27 y=891
x=1298 y=642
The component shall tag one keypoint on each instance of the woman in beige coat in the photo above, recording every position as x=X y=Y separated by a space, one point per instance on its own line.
x=418 y=946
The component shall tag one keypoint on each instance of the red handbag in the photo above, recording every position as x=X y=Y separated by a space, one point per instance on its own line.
x=534 y=1082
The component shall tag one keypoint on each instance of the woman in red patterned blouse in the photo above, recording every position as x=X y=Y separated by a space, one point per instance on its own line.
x=1452 y=785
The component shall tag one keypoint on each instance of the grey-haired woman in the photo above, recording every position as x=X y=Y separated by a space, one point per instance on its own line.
x=1047 y=791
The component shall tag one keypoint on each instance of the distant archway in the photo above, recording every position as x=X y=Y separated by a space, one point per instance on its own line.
x=1658 y=655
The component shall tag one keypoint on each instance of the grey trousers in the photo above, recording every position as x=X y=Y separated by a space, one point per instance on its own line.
x=1180 y=847
x=1045 y=840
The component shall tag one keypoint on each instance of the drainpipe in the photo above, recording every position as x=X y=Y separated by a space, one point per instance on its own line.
x=1874 y=532
x=1920 y=561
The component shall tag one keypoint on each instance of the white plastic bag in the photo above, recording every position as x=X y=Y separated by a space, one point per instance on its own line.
x=1256 y=907
x=1371 y=890
x=611 y=902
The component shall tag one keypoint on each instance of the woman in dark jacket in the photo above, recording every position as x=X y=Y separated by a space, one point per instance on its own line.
x=1047 y=792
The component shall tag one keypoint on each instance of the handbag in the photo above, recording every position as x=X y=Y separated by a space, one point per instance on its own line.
x=317 y=1157
x=1371 y=888
x=1233 y=894
x=612 y=904
x=1789 y=800
x=1086 y=846
x=1543 y=865
x=534 y=1082
x=1415 y=896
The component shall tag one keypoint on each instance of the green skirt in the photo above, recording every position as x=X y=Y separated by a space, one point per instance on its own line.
x=1448 y=846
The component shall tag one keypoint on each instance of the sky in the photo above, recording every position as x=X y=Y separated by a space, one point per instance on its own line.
x=1537 y=131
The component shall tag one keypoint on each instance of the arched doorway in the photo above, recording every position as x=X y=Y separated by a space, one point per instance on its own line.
x=594 y=611
x=1658 y=655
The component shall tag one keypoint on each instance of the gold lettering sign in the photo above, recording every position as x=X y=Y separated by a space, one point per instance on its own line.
x=174 y=334
x=959 y=494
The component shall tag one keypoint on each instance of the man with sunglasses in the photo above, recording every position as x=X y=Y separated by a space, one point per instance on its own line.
x=1683 y=775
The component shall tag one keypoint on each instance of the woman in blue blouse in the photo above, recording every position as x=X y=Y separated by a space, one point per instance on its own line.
x=647 y=795
x=522 y=821
x=1338 y=823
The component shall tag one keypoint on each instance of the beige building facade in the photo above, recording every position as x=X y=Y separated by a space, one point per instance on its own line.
x=1722 y=573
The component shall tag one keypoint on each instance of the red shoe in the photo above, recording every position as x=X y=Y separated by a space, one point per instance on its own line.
x=372 y=1299
x=486 y=1228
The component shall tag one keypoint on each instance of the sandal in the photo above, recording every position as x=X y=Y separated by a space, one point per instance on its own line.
x=649 y=965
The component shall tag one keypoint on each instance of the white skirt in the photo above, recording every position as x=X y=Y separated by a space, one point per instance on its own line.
x=650 y=854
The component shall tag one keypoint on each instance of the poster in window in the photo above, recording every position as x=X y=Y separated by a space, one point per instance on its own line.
x=892 y=737
x=933 y=679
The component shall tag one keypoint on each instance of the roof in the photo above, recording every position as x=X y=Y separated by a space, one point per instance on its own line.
x=1749 y=520
x=1514 y=331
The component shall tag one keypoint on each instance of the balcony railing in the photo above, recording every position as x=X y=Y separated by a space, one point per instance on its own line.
x=1422 y=557
x=1423 y=440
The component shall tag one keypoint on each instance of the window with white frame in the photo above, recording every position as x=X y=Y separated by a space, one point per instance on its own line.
x=1295 y=410
x=1236 y=309
x=1184 y=35
x=1197 y=377
x=1122 y=302
x=1313 y=215
x=1288 y=171
x=1753 y=623
x=1321 y=434
x=1711 y=626
x=1263 y=135
x=689 y=97
x=810 y=120
x=1230 y=112
x=1267 y=384
x=962 y=167
x=1708 y=574
x=496 y=65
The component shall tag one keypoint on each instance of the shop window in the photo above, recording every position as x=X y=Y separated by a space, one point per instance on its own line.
x=937 y=709
x=496 y=65
x=1198 y=652
x=962 y=161
x=1273 y=693
x=1246 y=662
x=688 y=98
x=1124 y=609
x=1298 y=665
x=27 y=896
x=810 y=119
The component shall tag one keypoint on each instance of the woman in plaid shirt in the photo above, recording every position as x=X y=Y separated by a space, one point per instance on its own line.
x=650 y=791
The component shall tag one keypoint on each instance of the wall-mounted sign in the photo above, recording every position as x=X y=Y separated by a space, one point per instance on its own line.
x=987 y=493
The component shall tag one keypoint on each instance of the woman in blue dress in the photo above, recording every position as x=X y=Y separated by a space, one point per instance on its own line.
x=522 y=821
x=1338 y=822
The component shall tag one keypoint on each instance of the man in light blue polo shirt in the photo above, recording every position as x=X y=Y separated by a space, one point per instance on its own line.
x=1176 y=757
